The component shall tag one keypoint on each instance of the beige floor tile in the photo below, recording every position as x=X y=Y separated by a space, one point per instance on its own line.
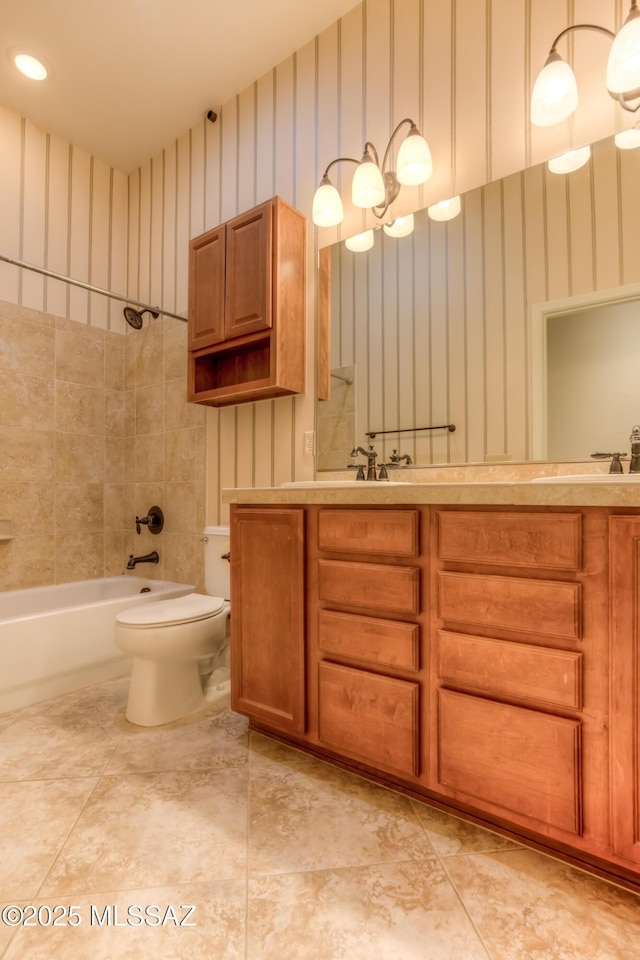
x=156 y=829
x=525 y=905
x=36 y=817
x=219 y=739
x=104 y=701
x=312 y=816
x=217 y=931
x=264 y=752
x=50 y=746
x=400 y=911
x=451 y=836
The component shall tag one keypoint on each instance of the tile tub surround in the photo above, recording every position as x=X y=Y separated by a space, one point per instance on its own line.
x=284 y=857
x=94 y=428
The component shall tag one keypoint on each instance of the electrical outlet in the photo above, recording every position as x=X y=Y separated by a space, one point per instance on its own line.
x=309 y=439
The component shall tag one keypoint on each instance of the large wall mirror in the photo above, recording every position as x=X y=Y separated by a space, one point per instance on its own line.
x=495 y=322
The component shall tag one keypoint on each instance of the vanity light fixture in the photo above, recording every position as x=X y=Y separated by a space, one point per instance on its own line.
x=568 y=162
x=628 y=139
x=400 y=227
x=555 y=92
x=374 y=187
x=360 y=242
x=445 y=210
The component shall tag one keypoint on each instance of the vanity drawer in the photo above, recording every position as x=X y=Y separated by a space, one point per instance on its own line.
x=514 y=539
x=548 y=607
x=380 y=532
x=518 y=670
x=385 y=642
x=511 y=758
x=369 y=717
x=375 y=586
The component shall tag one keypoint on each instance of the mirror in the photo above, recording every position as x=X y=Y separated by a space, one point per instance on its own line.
x=443 y=327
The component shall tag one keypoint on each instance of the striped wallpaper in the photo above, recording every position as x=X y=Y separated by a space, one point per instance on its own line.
x=463 y=69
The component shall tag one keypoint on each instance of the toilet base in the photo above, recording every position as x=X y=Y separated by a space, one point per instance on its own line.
x=161 y=692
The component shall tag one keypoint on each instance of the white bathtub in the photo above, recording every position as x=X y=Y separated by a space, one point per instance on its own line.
x=60 y=638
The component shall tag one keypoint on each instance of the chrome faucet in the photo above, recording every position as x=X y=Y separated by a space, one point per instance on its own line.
x=152 y=557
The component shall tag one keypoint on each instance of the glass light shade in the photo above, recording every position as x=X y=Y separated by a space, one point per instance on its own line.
x=555 y=93
x=445 y=210
x=400 y=227
x=327 y=206
x=414 y=164
x=623 y=66
x=570 y=161
x=367 y=189
x=30 y=66
x=628 y=139
x=360 y=242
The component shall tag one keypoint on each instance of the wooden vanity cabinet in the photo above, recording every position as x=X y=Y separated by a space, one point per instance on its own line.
x=267 y=589
x=247 y=307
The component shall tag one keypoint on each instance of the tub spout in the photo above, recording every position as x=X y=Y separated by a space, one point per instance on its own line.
x=152 y=557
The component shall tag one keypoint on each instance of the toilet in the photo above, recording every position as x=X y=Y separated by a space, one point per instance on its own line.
x=179 y=644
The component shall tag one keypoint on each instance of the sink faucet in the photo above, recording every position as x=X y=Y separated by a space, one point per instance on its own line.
x=152 y=557
x=371 y=455
x=396 y=459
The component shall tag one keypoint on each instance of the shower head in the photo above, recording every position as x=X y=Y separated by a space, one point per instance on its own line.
x=134 y=317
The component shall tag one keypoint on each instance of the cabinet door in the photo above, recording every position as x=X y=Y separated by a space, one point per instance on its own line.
x=267 y=616
x=624 y=571
x=206 y=288
x=249 y=272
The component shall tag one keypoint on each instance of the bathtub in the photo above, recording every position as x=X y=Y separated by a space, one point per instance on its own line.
x=60 y=638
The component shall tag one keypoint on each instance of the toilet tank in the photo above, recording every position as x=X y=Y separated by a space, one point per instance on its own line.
x=216 y=569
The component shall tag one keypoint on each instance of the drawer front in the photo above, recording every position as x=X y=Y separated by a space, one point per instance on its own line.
x=516 y=539
x=546 y=607
x=375 y=586
x=379 y=532
x=511 y=758
x=518 y=670
x=367 y=638
x=368 y=717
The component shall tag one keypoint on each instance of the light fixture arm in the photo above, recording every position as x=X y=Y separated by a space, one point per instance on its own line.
x=620 y=98
x=338 y=160
x=391 y=139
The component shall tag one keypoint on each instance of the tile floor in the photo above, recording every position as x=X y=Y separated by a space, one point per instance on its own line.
x=283 y=857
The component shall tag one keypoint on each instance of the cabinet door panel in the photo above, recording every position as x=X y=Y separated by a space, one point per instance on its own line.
x=376 y=586
x=519 y=670
x=367 y=638
x=508 y=757
x=378 y=532
x=369 y=717
x=267 y=611
x=515 y=539
x=206 y=288
x=249 y=273
x=547 y=607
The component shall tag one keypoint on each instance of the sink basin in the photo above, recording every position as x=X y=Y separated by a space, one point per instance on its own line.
x=591 y=478
x=328 y=484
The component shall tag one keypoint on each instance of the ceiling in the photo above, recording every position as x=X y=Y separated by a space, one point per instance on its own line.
x=129 y=76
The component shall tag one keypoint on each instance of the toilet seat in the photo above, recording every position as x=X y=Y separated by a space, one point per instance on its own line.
x=187 y=609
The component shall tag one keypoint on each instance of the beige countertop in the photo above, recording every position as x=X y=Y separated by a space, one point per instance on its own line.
x=556 y=493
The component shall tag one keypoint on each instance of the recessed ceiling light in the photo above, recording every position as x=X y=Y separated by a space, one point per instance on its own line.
x=32 y=67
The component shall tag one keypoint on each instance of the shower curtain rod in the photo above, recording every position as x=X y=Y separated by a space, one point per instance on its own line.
x=89 y=286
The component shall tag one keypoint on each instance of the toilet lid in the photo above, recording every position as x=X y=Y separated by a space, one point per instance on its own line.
x=194 y=606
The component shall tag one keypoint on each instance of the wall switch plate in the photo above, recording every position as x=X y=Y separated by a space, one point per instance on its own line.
x=309 y=441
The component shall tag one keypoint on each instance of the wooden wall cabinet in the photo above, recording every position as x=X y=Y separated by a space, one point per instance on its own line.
x=247 y=307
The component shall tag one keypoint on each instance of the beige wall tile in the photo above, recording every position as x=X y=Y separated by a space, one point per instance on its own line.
x=115 y=557
x=114 y=460
x=180 y=453
x=150 y=409
x=29 y=506
x=183 y=562
x=130 y=360
x=26 y=402
x=178 y=413
x=26 y=455
x=79 y=458
x=114 y=413
x=129 y=460
x=180 y=508
x=150 y=355
x=16 y=312
x=80 y=353
x=175 y=349
x=149 y=458
x=26 y=562
x=129 y=425
x=79 y=409
x=79 y=556
x=114 y=361
x=26 y=348
x=79 y=507
x=114 y=517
